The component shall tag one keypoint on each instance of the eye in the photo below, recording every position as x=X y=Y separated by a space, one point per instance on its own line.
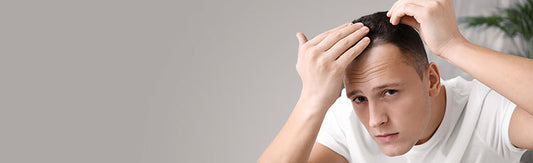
x=359 y=99
x=390 y=92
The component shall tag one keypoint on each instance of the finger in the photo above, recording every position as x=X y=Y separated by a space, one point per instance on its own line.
x=353 y=52
x=405 y=9
x=392 y=8
x=321 y=37
x=336 y=36
x=410 y=21
x=343 y=45
x=301 y=39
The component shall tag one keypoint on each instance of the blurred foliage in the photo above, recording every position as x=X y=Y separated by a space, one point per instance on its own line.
x=514 y=21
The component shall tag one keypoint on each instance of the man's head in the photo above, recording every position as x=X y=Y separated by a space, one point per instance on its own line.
x=392 y=86
x=402 y=36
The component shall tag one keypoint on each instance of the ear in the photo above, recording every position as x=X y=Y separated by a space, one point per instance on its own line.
x=433 y=77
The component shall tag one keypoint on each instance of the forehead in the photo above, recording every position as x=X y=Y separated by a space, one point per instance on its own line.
x=381 y=64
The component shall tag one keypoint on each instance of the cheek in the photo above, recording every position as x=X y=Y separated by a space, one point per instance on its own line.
x=361 y=114
x=412 y=114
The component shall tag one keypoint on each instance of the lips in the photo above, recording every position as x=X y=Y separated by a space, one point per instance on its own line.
x=388 y=137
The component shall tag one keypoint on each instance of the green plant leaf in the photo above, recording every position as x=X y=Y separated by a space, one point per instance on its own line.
x=513 y=21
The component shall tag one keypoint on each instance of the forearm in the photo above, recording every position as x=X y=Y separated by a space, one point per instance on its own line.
x=295 y=140
x=509 y=75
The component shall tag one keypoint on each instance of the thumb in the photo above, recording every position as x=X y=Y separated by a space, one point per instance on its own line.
x=301 y=38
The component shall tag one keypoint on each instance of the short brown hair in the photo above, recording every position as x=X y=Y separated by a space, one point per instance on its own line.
x=403 y=36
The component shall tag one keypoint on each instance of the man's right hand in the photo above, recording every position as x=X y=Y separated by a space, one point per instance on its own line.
x=322 y=62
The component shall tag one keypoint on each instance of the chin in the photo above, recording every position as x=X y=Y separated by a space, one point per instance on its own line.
x=394 y=150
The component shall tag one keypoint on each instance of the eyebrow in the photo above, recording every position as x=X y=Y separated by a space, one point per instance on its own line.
x=354 y=92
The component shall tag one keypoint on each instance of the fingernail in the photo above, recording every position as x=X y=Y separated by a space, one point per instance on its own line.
x=358 y=24
x=365 y=39
x=365 y=28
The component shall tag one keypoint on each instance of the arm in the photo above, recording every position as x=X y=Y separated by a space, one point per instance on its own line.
x=509 y=75
x=321 y=65
x=321 y=153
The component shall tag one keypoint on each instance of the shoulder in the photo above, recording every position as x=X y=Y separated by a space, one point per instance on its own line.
x=341 y=116
x=342 y=106
x=480 y=118
x=466 y=91
x=341 y=130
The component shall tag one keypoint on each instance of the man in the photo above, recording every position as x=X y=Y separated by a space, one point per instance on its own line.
x=394 y=107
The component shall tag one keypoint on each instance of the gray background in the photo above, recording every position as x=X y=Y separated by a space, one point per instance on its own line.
x=157 y=81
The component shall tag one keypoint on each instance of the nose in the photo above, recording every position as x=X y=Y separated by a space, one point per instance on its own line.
x=377 y=115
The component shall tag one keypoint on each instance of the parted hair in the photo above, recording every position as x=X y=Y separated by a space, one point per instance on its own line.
x=403 y=36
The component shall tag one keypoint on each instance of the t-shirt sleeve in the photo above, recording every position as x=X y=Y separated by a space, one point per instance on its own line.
x=495 y=119
x=331 y=134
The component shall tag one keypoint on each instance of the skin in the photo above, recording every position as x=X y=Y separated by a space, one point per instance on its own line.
x=389 y=97
x=322 y=65
x=322 y=62
x=509 y=75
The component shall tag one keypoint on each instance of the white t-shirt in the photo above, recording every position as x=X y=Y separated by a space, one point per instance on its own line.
x=474 y=129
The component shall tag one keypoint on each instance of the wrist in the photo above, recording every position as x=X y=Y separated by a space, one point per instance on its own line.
x=452 y=48
x=312 y=106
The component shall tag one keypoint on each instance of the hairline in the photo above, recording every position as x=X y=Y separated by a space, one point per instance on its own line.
x=408 y=59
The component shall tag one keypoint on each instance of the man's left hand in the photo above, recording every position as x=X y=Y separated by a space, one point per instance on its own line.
x=434 y=20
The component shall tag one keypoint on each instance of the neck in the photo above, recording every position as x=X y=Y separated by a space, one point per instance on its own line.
x=438 y=108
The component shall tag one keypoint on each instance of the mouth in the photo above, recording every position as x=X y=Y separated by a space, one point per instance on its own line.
x=388 y=137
